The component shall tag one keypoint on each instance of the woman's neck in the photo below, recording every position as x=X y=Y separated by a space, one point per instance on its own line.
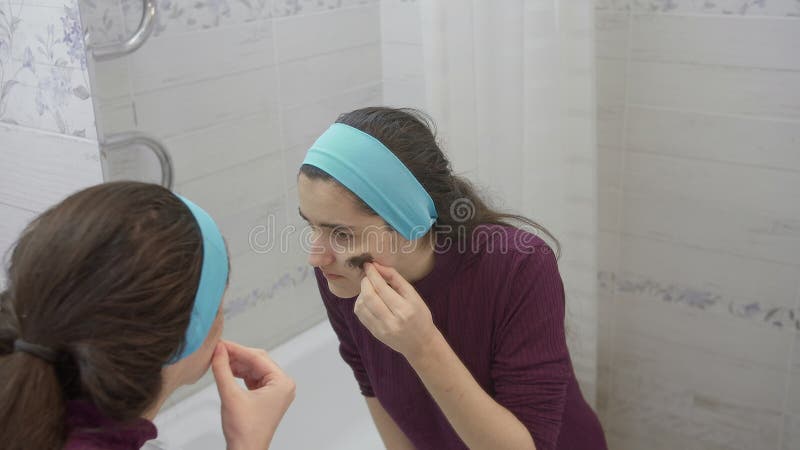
x=151 y=412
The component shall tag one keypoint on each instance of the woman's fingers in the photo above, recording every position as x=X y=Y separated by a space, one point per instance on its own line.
x=249 y=418
x=394 y=301
x=370 y=300
x=252 y=365
x=396 y=281
x=225 y=380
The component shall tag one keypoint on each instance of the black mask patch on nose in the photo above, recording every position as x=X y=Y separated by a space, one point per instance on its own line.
x=360 y=260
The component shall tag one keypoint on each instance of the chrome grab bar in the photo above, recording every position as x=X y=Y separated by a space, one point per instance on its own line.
x=121 y=141
x=112 y=51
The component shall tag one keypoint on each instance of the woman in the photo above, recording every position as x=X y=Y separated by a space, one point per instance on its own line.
x=451 y=318
x=114 y=301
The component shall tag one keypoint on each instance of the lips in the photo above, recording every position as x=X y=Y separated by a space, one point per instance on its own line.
x=331 y=276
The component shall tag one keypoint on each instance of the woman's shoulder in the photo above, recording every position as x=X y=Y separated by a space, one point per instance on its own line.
x=501 y=257
x=522 y=270
x=505 y=245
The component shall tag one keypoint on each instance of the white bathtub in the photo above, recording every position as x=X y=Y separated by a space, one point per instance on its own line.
x=328 y=412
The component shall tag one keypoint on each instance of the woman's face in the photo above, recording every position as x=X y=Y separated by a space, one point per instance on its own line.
x=341 y=231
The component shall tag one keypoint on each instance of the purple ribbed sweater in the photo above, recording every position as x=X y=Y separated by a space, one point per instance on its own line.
x=89 y=429
x=500 y=306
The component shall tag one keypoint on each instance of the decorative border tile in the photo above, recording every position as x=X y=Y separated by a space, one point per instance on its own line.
x=700 y=299
x=780 y=8
x=283 y=8
x=43 y=77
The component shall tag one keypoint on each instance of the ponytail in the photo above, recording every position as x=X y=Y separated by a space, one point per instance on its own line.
x=31 y=396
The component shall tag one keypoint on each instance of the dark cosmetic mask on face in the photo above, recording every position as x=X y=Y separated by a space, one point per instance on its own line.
x=360 y=260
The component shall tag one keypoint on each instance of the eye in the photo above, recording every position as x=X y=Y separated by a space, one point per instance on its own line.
x=341 y=235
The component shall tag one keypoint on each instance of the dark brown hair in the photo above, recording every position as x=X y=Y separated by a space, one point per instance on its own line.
x=107 y=278
x=410 y=135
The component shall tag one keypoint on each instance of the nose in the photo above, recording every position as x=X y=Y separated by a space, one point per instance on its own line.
x=319 y=254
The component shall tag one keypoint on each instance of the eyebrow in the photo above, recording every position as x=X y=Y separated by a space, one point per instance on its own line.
x=324 y=225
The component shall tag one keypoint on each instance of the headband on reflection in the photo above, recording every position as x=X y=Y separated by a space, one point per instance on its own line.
x=362 y=164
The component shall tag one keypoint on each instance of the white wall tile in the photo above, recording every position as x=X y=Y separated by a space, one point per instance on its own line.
x=793 y=401
x=705 y=225
x=197 y=154
x=611 y=91
x=110 y=79
x=401 y=22
x=608 y=257
x=768 y=191
x=257 y=228
x=707 y=275
x=757 y=142
x=180 y=109
x=300 y=37
x=14 y=221
x=791 y=436
x=177 y=59
x=269 y=304
x=608 y=260
x=608 y=208
x=303 y=124
x=612 y=30
x=293 y=159
x=711 y=40
x=115 y=115
x=714 y=89
x=402 y=61
x=716 y=380
x=609 y=167
x=406 y=93
x=41 y=169
x=608 y=263
x=246 y=186
x=308 y=80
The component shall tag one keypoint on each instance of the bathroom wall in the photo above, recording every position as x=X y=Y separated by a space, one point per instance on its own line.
x=237 y=92
x=48 y=144
x=402 y=54
x=699 y=130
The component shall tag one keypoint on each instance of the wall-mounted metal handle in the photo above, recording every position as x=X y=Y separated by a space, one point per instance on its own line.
x=122 y=141
x=111 y=51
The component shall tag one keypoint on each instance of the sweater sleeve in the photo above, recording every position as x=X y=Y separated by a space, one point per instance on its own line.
x=347 y=346
x=530 y=365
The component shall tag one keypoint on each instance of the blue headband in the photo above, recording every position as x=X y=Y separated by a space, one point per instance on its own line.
x=364 y=165
x=213 y=280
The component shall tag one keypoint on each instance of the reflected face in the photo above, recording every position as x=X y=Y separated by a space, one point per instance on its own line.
x=343 y=235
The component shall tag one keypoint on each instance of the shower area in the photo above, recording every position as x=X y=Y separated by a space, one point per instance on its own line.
x=659 y=140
